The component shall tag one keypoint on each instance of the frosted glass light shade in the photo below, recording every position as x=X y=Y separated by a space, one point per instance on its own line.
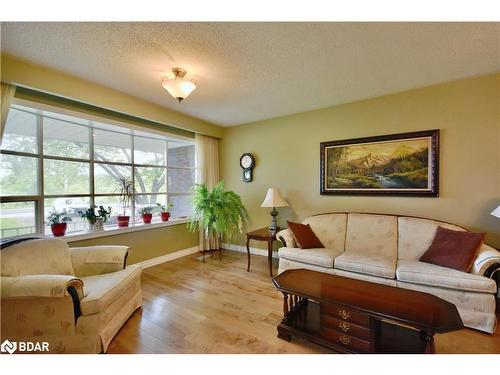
x=178 y=88
x=274 y=199
x=496 y=212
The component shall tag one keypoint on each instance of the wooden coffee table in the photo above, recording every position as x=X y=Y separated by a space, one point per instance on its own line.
x=355 y=316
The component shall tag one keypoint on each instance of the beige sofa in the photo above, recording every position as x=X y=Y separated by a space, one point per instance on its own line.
x=75 y=299
x=386 y=249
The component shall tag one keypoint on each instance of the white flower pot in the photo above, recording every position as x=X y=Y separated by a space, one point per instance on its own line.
x=96 y=227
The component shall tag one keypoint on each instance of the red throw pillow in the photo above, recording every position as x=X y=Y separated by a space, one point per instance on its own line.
x=453 y=249
x=304 y=236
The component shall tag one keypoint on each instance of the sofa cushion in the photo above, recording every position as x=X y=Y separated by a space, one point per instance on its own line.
x=432 y=275
x=102 y=290
x=372 y=235
x=453 y=249
x=330 y=229
x=304 y=235
x=415 y=236
x=37 y=257
x=366 y=264
x=318 y=257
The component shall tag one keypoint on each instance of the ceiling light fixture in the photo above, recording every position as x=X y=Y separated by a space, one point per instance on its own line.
x=177 y=87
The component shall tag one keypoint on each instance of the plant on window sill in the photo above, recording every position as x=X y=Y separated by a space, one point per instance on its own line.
x=96 y=220
x=58 y=222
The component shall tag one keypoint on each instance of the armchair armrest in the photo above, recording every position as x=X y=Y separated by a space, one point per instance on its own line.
x=97 y=260
x=41 y=286
x=487 y=262
x=286 y=237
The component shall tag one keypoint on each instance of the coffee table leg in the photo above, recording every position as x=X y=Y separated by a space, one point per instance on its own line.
x=248 y=254
x=270 y=257
x=428 y=339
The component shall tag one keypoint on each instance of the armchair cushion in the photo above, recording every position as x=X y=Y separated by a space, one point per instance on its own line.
x=102 y=290
x=96 y=260
x=37 y=257
x=40 y=286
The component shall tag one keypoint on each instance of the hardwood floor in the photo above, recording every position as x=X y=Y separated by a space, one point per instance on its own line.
x=218 y=307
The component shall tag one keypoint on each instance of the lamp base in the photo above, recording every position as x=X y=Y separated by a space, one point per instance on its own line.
x=274 y=224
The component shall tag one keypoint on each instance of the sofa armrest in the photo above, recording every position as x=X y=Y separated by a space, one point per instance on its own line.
x=487 y=262
x=286 y=237
x=97 y=260
x=41 y=286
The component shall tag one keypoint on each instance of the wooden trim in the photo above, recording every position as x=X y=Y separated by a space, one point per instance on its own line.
x=168 y=257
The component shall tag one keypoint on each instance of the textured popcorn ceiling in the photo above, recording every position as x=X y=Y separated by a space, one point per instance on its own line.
x=251 y=71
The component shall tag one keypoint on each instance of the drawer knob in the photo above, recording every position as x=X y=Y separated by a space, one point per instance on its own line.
x=344 y=314
x=344 y=326
x=344 y=339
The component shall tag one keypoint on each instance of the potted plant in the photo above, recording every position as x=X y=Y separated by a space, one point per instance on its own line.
x=218 y=213
x=147 y=214
x=58 y=222
x=96 y=220
x=127 y=196
x=165 y=211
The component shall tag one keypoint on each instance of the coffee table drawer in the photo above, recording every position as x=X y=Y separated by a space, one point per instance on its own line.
x=346 y=314
x=344 y=326
x=344 y=340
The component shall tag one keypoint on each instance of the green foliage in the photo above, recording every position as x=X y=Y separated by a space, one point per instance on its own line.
x=91 y=216
x=221 y=213
x=58 y=217
x=163 y=208
x=147 y=210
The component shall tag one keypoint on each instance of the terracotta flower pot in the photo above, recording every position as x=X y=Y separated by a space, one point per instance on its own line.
x=123 y=221
x=165 y=216
x=147 y=218
x=59 y=230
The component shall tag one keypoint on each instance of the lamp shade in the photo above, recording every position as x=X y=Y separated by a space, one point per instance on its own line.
x=274 y=199
x=178 y=88
x=496 y=212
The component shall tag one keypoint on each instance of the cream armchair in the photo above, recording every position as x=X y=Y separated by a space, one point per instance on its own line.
x=75 y=299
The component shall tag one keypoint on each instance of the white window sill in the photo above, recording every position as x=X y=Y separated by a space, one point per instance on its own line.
x=114 y=230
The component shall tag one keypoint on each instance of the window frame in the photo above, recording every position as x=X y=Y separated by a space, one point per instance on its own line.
x=130 y=130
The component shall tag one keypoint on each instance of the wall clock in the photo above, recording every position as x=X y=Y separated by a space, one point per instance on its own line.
x=247 y=162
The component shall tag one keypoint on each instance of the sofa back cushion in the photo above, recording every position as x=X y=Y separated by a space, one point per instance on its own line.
x=372 y=235
x=330 y=229
x=37 y=257
x=415 y=236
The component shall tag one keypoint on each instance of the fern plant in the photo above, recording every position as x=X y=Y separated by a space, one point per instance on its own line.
x=220 y=213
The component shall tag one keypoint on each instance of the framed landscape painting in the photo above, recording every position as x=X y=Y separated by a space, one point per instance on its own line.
x=396 y=164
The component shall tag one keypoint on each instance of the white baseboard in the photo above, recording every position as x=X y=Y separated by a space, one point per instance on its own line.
x=243 y=249
x=168 y=257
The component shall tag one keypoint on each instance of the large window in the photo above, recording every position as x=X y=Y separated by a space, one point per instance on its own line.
x=55 y=161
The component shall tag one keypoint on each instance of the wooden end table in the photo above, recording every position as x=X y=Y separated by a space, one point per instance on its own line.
x=263 y=234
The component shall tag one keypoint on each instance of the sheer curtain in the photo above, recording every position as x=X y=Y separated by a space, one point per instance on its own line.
x=8 y=92
x=207 y=152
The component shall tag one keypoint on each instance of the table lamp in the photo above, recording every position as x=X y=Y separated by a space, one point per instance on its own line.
x=274 y=199
x=496 y=212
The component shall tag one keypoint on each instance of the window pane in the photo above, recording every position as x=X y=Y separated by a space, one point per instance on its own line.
x=110 y=146
x=182 y=205
x=116 y=209
x=18 y=175
x=17 y=219
x=66 y=177
x=65 y=139
x=72 y=206
x=150 y=180
x=181 y=154
x=180 y=180
x=107 y=176
x=20 y=133
x=149 y=151
x=149 y=200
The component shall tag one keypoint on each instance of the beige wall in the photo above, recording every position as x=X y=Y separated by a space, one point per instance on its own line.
x=287 y=154
x=25 y=74
x=148 y=244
